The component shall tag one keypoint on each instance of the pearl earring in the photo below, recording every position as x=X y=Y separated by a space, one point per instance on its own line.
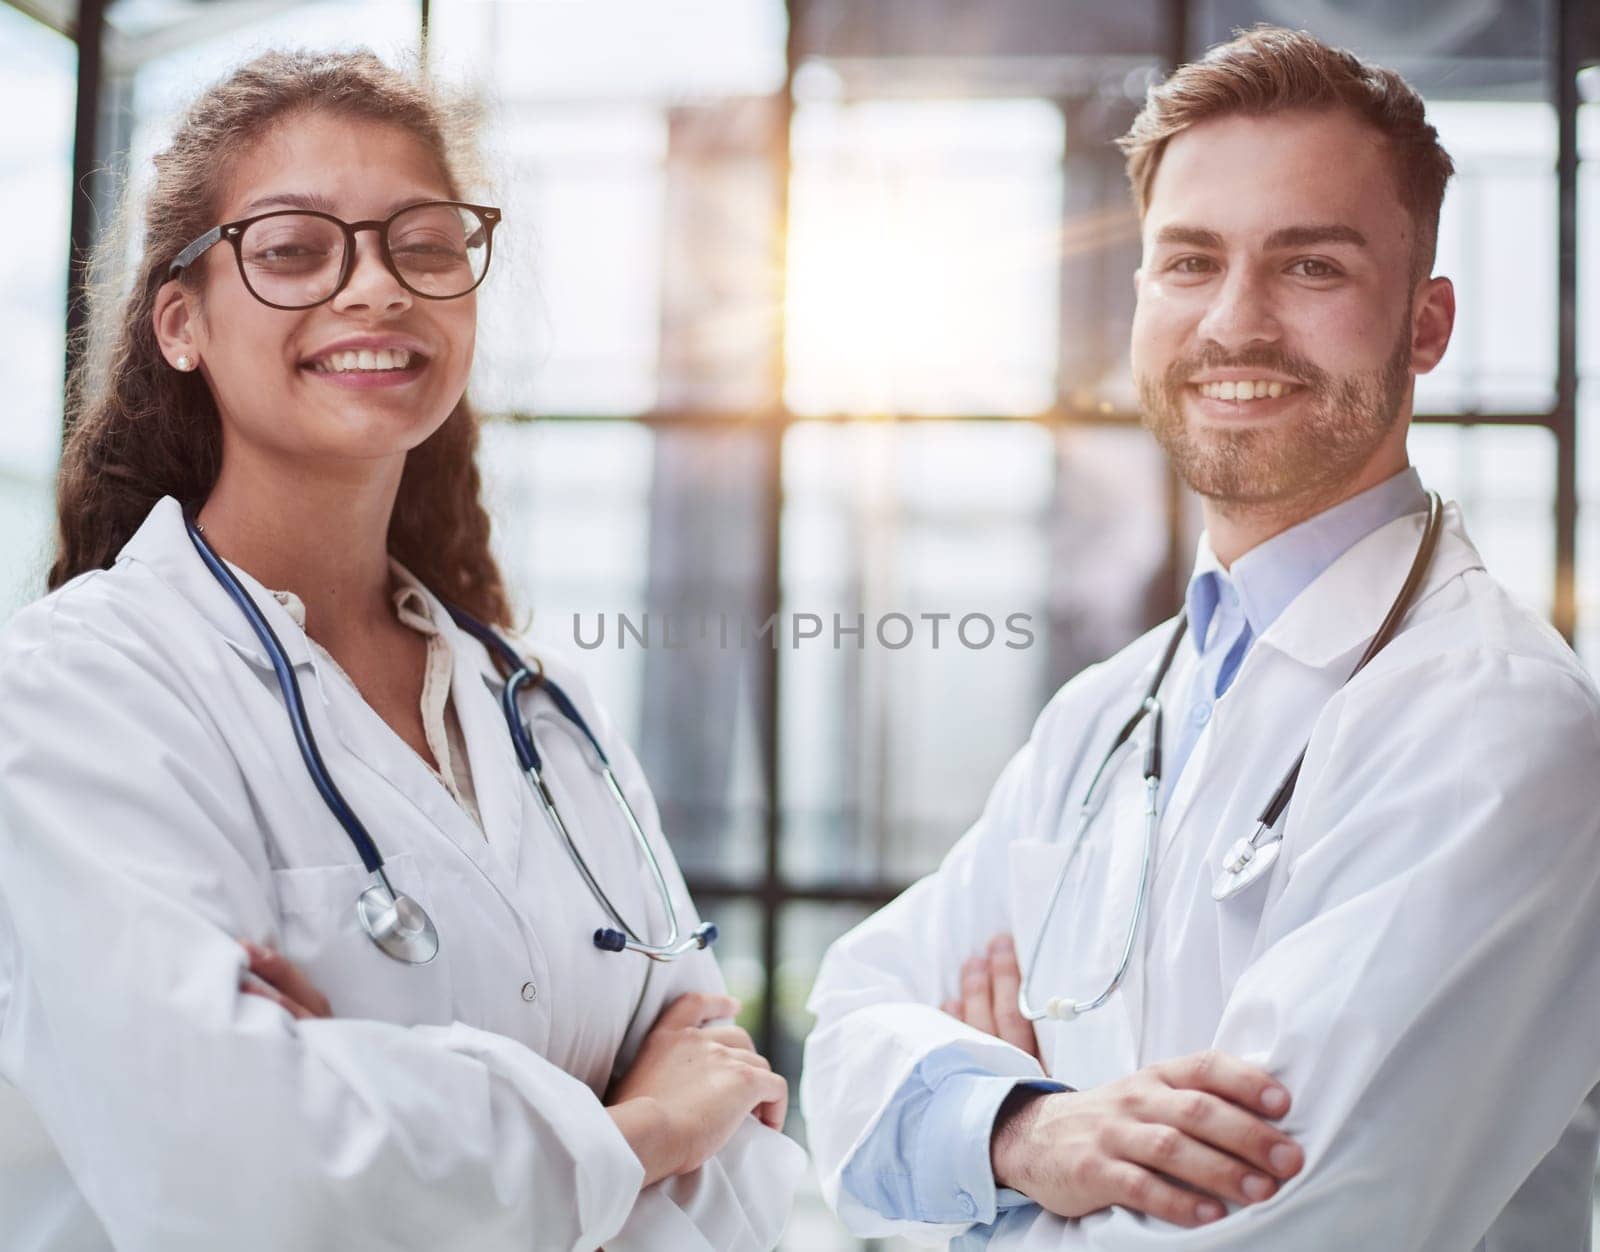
x=184 y=364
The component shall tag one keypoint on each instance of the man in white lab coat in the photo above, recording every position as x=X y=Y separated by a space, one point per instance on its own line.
x=1391 y=1039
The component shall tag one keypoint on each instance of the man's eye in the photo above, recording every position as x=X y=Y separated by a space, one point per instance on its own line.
x=1310 y=267
x=1191 y=265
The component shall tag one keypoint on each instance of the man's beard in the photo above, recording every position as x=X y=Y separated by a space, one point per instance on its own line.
x=1342 y=419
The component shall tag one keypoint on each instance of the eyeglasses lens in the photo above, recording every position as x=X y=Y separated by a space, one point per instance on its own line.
x=294 y=259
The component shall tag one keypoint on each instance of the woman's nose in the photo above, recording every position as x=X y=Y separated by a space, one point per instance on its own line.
x=371 y=285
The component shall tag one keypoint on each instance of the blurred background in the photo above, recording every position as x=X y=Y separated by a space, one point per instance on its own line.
x=822 y=307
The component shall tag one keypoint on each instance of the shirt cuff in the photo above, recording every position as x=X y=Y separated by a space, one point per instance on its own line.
x=953 y=1179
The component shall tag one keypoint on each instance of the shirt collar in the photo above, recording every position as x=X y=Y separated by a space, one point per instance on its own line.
x=409 y=597
x=1271 y=575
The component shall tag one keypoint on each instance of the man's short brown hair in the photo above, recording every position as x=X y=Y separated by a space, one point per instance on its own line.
x=1268 y=69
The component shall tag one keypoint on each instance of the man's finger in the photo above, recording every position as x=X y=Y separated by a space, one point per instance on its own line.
x=1225 y=1125
x=275 y=968
x=1006 y=981
x=1246 y=1085
x=977 y=1001
x=952 y=1007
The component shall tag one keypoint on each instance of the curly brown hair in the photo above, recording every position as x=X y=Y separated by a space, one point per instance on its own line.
x=139 y=430
x=1269 y=68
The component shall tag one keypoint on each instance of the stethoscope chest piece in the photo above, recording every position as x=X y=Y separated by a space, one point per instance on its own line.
x=1246 y=862
x=398 y=925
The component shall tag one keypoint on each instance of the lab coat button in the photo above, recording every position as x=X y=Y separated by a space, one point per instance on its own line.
x=1201 y=713
x=969 y=1206
x=529 y=991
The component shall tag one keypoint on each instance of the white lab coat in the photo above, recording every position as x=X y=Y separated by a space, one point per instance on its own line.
x=153 y=805
x=1421 y=968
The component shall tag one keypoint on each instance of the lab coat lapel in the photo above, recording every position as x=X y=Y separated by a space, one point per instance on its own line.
x=162 y=544
x=503 y=790
x=1324 y=629
x=374 y=744
x=1341 y=610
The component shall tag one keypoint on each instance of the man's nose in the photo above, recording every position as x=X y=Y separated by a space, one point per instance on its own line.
x=1240 y=312
x=371 y=284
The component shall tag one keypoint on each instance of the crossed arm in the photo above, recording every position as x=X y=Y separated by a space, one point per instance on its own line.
x=1169 y=1140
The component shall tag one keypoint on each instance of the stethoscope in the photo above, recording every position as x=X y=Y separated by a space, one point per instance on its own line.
x=1247 y=860
x=396 y=923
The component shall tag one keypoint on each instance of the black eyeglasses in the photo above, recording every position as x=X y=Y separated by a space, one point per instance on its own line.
x=299 y=258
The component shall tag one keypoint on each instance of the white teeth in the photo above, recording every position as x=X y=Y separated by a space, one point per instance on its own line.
x=364 y=359
x=1244 y=390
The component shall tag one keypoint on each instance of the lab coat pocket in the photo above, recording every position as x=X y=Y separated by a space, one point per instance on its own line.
x=322 y=934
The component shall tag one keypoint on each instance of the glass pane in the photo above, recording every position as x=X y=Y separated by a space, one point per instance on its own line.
x=937 y=577
x=570 y=321
x=634 y=270
x=1504 y=479
x=1444 y=50
x=636 y=552
x=643 y=50
x=923 y=257
x=738 y=951
x=1502 y=353
x=37 y=82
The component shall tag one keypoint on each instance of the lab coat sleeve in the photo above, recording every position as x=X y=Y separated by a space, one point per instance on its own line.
x=1427 y=982
x=195 y=1117
x=877 y=994
x=739 y=1200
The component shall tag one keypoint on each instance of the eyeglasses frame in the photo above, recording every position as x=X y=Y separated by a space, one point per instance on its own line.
x=233 y=232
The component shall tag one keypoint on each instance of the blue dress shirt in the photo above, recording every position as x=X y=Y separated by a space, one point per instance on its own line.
x=927 y=1159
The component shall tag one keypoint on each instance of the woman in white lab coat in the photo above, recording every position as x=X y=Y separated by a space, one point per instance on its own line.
x=521 y=1090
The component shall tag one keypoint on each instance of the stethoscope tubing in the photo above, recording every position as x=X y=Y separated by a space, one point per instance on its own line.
x=1240 y=865
x=398 y=924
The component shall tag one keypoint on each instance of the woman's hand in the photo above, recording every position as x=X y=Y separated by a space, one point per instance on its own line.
x=1150 y=1141
x=691 y=1086
x=277 y=978
x=988 y=1000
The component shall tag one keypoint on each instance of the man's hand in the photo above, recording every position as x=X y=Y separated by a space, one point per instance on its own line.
x=988 y=1001
x=1199 y=1121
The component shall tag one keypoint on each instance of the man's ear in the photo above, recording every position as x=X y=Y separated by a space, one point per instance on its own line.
x=1433 y=317
x=176 y=320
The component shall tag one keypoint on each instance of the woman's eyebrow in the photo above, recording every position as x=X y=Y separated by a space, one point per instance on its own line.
x=321 y=204
x=289 y=200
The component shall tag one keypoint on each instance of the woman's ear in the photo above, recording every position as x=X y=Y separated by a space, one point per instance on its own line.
x=176 y=320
